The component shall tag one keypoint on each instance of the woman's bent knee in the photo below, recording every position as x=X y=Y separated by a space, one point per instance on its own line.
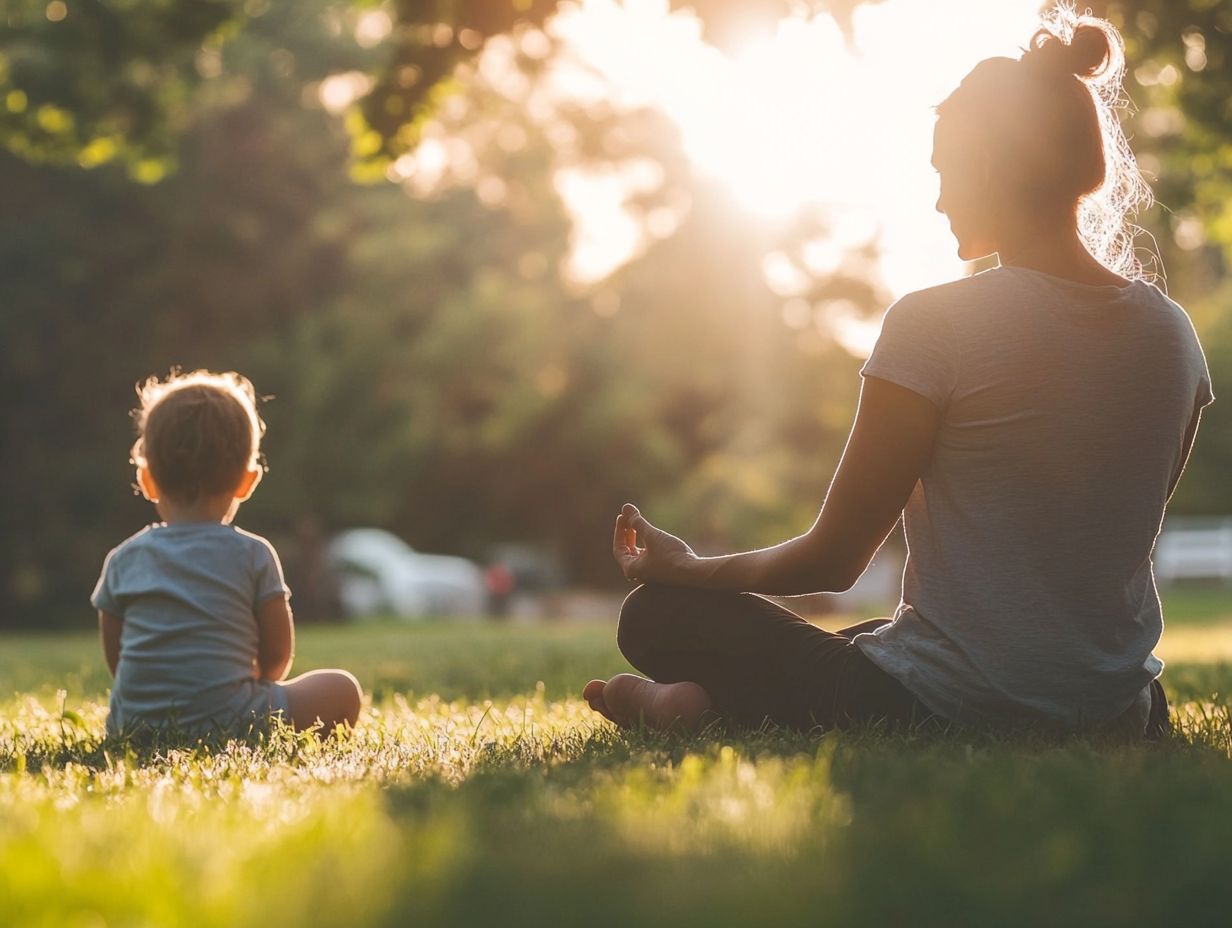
x=646 y=619
x=636 y=616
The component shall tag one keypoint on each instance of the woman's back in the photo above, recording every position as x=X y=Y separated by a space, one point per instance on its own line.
x=1028 y=590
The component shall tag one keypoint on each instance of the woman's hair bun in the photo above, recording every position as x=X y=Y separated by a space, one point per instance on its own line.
x=1089 y=50
x=1086 y=55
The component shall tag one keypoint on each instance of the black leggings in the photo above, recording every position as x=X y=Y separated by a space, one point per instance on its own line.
x=761 y=662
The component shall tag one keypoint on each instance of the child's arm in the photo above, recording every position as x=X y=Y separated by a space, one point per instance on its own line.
x=275 y=639
x=109 y=630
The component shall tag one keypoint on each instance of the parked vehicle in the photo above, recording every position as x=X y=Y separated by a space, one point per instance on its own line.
x=1194 y=549
x=533 y=569
x=381 y=575
x=519 y=578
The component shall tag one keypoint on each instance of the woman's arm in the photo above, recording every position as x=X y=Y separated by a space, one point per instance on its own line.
x=889 y=447
x=275 y=639
x=109 y=627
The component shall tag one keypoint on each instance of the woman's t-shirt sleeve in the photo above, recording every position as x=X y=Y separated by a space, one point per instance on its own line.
x=916 y=350
x=1205 y=394
x=270 y=582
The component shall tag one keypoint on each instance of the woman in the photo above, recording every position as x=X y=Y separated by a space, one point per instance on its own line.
x=1029 y=423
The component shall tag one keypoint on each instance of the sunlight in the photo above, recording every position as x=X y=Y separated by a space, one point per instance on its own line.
x=610 y=236
x=338 y=91
x=803 y=118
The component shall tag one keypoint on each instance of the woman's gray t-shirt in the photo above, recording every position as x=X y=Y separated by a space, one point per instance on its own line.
x=1028 y=593
x=188 y=595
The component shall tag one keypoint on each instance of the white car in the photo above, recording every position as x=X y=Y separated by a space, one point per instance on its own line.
x=1194 y=549
x=380 y=574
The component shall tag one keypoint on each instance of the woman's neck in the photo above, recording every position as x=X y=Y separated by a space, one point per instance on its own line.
x=1058 y=251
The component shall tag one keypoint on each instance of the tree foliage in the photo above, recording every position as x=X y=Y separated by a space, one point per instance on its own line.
x=1181 y=57
x=138 y=67
x=431 y=369
x=128 y=89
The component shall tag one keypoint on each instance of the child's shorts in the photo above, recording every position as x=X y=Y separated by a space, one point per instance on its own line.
x=237 y=709
x=270 y=700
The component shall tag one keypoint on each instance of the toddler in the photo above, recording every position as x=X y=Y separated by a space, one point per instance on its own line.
x=193 y=612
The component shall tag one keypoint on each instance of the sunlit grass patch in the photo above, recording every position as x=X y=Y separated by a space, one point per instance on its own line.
x=1206 y=723
x=190 y=845
x=97 y=830
x=718 y=800
x=478 y=803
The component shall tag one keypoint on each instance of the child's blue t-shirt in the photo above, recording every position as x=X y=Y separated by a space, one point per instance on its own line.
x=188 y=595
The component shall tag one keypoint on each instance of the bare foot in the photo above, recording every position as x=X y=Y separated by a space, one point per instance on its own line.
x=630 y=700
x=593 y=694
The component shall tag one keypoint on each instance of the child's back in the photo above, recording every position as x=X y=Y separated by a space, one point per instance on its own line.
x=188 y=593
x=193 y=612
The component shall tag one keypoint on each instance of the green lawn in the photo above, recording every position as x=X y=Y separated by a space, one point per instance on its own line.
x=478 y=790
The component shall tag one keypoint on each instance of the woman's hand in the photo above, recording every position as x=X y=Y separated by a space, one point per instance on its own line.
x=647 y=553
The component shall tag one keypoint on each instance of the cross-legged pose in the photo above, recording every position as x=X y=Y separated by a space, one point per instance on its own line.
x=193 y=612
x=1029 y=424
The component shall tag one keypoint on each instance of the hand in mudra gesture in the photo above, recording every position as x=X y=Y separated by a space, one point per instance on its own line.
x=647 y=553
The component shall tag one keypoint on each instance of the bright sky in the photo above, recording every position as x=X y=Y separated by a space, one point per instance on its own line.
x=800 y=119
x=797 y=119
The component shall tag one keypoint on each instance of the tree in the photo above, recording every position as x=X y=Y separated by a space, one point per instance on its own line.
x=1180 y=56
x=139 y=66
x=431 y=370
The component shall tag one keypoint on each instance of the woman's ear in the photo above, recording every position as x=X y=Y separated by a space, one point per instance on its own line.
x=248 y=483
x=149 y=489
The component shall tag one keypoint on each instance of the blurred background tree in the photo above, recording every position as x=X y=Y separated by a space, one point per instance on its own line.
x=338 y=200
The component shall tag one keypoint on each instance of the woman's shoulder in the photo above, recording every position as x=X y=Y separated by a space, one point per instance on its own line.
x=954 y=293
x=939 y=313
x=1012 y=288
x=1170 y=306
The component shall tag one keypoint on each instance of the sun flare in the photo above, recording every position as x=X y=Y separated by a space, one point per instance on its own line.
x=806 y=117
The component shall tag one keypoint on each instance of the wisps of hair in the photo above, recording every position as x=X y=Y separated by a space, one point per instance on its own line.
x=151 y=390
x=1092 y=50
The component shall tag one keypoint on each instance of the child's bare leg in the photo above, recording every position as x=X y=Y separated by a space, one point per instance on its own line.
x=332 y=697
x=630 y=700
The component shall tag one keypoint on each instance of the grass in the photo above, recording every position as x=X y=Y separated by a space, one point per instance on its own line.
x=478 y=790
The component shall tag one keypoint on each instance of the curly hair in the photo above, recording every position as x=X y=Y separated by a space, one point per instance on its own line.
x=197 y=433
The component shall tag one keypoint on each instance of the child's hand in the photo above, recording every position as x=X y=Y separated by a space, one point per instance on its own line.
x=662 y=557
